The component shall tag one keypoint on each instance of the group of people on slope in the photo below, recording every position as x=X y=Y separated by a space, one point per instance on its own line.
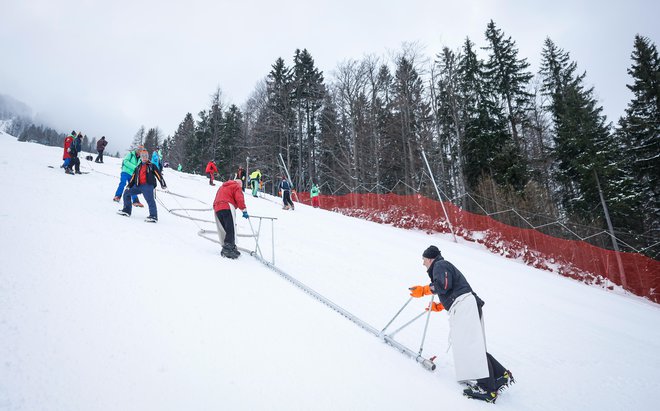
x=73 y=148
x=484 y=376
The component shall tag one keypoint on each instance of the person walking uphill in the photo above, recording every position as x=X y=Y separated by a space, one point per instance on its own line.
x=227 y=199
x=143 y=181
x=255 y=181
x=468 y=340
x=286 y=194
x=100 y=147
x=128 y=165
x=211 y=169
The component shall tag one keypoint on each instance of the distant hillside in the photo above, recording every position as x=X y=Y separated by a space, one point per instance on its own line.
x=11 y=108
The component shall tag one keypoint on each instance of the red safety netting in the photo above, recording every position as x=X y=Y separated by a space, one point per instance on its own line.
x=571 y=258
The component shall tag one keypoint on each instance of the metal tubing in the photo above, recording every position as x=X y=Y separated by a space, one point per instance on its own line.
x=437 y=190
x=426 y=363
x=407 y=324
x=426 y=327
x=396 y=315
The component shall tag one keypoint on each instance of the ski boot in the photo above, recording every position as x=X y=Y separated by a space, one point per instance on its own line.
x=230 y=251
x=116 y=199
x=138 y=204
x=504 y=381
x=151 y=219
x=124 y=213
x=476 y=392
x=68 y=171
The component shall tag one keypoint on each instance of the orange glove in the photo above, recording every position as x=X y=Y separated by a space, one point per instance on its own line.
x=437 y=307
x=419 y=291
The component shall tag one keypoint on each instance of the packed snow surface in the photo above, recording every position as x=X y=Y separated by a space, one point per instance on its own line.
x=103 y=312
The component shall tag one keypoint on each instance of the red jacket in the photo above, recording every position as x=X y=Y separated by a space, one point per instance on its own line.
x=67 y=143
x=211 y=168
x=229 y=192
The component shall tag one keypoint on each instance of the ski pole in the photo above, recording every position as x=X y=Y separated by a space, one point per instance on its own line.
x=428 y=317
x=407 y=324
x=396 y=315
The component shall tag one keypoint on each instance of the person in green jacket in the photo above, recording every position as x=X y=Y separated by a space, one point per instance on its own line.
x=314 y=195
x=255 y=180
x=128 y=165
x=179 y=168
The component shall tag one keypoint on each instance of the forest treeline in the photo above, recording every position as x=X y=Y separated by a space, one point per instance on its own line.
x=496 y=134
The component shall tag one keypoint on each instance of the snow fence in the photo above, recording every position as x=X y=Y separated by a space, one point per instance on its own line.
x=570 y=258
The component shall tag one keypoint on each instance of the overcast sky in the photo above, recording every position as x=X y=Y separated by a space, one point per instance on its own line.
x=107 y=67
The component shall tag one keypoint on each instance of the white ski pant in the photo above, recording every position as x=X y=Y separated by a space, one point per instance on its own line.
x=468 y=340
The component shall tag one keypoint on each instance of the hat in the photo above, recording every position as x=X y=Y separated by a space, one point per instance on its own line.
x=431 y=252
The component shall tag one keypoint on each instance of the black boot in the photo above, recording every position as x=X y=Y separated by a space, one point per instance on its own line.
x=504 y=381
x=230 y=251
x=477 y=392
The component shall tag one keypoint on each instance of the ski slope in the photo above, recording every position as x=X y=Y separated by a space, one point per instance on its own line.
x=103 y=312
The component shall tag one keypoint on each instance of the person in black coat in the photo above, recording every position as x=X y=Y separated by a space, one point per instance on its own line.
x=286 y=188
x=471 y=360
x=100 y=147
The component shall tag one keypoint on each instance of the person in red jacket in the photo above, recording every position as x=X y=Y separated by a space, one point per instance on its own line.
x=211 y=169
x=68 y=140
x=228 y=198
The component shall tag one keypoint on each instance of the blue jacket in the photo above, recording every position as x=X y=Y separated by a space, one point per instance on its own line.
x=285 y=186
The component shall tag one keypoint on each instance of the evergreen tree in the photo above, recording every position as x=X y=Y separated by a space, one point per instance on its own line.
x=639 y=134
x=488 y=148
x=508 y=77
x=307 y=93
x=152 y=140
x=583 y=148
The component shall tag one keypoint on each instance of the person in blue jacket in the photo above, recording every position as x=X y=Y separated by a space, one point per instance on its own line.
x=286 y=188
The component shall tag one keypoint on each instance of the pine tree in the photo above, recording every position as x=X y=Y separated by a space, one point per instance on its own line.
x=488 y=147
x=307 y=95
x=508 y=77
x=639 y=134
x=584 y=147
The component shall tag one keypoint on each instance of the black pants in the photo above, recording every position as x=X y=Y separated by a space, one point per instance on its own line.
x=495 y=369
x=75 y=164
x=99 y=158
x=227 y=221
x=286 y=197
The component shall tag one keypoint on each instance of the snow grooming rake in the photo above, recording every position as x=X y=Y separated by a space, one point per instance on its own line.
x=424 y=362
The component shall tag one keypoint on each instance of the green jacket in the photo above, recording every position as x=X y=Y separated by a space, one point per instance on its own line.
x=314 y=191
x=130 y=162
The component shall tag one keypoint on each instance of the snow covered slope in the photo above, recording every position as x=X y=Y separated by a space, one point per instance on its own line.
x=103 y=312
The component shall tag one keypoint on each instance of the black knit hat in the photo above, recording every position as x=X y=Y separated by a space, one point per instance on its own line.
x=431 y=252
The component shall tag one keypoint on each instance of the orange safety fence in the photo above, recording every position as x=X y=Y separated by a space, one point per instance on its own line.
x=571 y=258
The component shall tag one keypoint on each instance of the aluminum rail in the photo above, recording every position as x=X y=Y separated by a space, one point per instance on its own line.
x=424 y=362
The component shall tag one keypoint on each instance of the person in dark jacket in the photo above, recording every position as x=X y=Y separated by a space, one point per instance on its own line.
x=143 y=181
x=74 y=149
x=228 y=198
x=286 y=188
x=100 y=147
x=468 y=340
